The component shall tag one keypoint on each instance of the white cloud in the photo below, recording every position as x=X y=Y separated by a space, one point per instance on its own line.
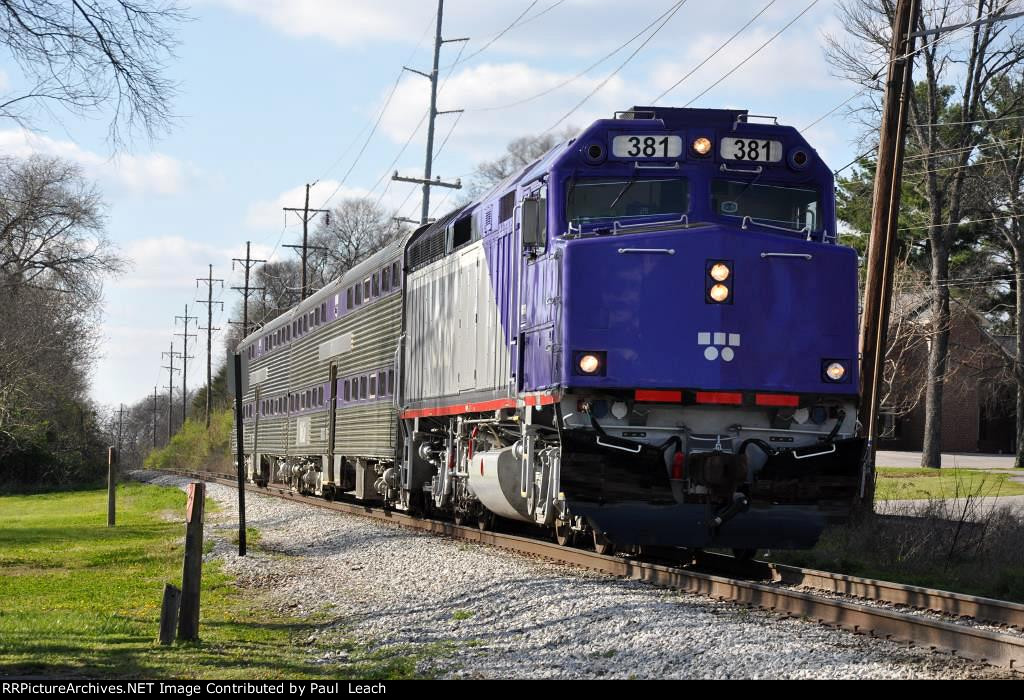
x=151 y=173
x=480 y=87
x=170 y=262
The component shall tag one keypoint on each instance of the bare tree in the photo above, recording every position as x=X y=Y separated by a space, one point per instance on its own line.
x=51 y=229
x=91 y=55
x=518 y=154
x=948 y=121
x=358 y=228
x=53 y=260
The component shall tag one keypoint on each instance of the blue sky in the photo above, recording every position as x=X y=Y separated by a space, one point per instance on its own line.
x=273 y=92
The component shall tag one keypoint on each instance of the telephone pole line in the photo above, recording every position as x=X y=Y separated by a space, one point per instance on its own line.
x=885 y=212
x=248 y=264
x=171 y=369
x=209 y=280
x=428 y=166
x=306 y=218
x=185 y=357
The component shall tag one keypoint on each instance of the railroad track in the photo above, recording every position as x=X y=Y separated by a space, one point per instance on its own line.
x=843 y=601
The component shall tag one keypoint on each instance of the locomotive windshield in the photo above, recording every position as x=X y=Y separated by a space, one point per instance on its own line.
x=790 y=207
x=624 y=198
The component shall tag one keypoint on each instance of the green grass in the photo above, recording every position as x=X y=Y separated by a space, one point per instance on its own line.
x=82 y=600
x=462 y=614
x=897 y=483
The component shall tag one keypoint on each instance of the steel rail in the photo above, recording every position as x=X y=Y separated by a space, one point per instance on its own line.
x=994 y=648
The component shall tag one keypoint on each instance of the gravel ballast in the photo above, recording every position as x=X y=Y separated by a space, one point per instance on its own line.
x=496 y=614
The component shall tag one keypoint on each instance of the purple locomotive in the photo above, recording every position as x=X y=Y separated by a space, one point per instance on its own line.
x=647 y=337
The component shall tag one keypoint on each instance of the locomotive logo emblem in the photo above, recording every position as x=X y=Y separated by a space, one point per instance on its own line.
x=718 y=344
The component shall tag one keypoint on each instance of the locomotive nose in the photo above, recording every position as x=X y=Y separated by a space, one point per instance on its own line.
x=712 y=308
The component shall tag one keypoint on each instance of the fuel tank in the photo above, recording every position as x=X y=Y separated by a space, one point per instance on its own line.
x=494 y=478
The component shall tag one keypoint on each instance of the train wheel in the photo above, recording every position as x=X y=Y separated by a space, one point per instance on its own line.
x=602 y=545
x=564 y=534
x=485 y=521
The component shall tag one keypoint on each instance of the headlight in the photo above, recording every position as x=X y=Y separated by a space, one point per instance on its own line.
x=719 y=293
x=720 y=272
x=701 y=146
x=835 y=371
x=589 y=364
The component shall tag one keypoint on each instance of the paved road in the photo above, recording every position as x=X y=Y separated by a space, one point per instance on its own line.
x=888 y=458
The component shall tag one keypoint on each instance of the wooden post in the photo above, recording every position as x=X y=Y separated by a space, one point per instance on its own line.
x=111 y=485
x=169 y=613
x=240 y=453
x=884 y=223
x=192 y=571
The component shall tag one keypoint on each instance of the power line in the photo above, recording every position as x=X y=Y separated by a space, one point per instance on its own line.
x=500 y=34
x=577 y=76
x=713 y=53
x=668 y=17
x=756 y=51
x=878 y=73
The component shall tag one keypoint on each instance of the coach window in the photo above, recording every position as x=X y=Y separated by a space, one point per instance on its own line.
x=348 y=298
x=396 y=281
x=373 y=386
x=462 y=232
x=362 y=387
x=506 y=206
x=316 y=316
x=385 y=279
x=348 y=394
x=376 y=285
x=323 y=312
x=366 y=289
x=391 y=382
x=359 y=294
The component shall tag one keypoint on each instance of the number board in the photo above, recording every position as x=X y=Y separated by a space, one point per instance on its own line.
x=751 y=150
x=647 y=146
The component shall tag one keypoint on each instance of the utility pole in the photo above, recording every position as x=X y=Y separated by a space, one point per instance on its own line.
x=306 y=218
x=209 y=336
x=171 y=369
x=432 y=77
x=185 y=357
x=248 y=264
x=154 y=417
x=885 y=212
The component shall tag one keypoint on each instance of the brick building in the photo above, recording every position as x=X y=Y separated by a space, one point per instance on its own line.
x=979 y=396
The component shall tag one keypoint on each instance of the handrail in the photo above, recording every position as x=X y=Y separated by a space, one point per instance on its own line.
x=805 y=256
x=752 y=220
x=755 y=171
x=684 y=220
x=666 y=251
x=637 y=165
